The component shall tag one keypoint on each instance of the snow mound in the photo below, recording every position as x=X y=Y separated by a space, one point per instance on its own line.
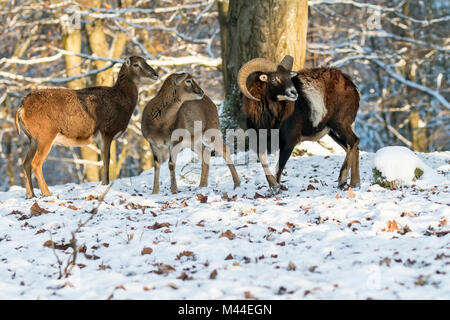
x=399 y=164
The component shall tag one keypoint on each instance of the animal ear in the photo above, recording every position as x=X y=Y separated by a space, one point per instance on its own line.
x=263 y=77
x=179 y=79
x=127 y=62
x=294 y=74
x=287 y=62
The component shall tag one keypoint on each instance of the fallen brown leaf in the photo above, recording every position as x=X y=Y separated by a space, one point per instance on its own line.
x=157 y=225
x=228 y=234
x=385 y=261
x=185 y=254
x=164 y=269
x=202 y=198
x=213 y=274
x=259 y=196
x=54 y=245
x=420 y=281
x=352 y=222
x=391 y=226
x=146 y=251
x=291 y=266
x=201 y=223
x=104 y=267
x=404 y=230
x=183 y=276
x=408 y=214
x=229 y=257
x=35 y=210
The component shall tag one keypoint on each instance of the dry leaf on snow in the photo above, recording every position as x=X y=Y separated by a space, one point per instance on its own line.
x=228 y=234
x=146 y=251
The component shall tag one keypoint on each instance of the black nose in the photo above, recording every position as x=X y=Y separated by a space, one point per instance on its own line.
x=153 y=75
x=292 y=92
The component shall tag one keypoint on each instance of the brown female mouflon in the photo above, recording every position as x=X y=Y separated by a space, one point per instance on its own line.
x=74 y=117
x=178 y=105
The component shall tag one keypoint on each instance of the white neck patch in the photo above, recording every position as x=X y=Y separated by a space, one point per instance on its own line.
x=318 y=109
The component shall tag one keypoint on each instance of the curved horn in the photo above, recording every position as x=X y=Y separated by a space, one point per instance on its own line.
x=287 y=62
x=254 y=65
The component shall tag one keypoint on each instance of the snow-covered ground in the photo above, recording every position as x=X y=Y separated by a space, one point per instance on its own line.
x=312 y=241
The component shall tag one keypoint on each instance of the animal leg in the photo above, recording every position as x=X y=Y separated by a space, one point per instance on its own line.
x=43 y=148
x=173 y=178
x=285 y=154
x=157 y=165
x=106 y=149
x=26 y=166
x=346 y=138
x=222 y=149
x=269 y=176
x=204 y=155
x=355 y=179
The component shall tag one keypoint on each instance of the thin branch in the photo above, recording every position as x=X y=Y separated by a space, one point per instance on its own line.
x=31 y=61
x=53 y=80
x=380 y=9
x=411 y=84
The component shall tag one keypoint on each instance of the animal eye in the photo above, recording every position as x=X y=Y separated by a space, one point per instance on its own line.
x=135 y=65
x=188 y=81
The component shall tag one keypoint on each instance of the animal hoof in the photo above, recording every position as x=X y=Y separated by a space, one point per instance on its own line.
x=276 y=188
x=30 y=196
x=342 y=186
x=355 y=185
x=174 y=191
x=237 y=185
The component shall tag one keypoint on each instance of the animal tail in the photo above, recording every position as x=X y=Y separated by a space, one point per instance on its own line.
x=352 y=84
x=18 y=119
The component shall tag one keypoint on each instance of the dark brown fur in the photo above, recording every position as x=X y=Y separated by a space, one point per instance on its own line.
x=341 y=100
x=73 y=117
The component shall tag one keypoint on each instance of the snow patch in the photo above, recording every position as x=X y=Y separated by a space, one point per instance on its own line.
x=343 y=247
x=399 y=163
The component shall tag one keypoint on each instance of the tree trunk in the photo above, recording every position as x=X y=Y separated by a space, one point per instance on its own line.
x=419 y=135
x=261 y=28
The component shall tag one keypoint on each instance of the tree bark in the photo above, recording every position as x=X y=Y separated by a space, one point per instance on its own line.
x=261 y=28
x=419 y=137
